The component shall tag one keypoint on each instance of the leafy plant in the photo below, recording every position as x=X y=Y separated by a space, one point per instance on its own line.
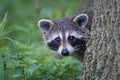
x=23 y=56
x=2 y=24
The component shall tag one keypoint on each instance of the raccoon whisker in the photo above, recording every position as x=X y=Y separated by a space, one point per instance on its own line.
x=77 y=49
x=79 y=46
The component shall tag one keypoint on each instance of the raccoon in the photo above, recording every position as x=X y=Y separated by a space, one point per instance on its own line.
x=69 y=35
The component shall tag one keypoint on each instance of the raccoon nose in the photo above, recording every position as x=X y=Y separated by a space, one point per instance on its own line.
x=65 y=52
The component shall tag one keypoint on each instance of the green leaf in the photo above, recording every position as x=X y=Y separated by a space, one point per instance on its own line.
x=12 y=30
x=12 y=42
x=2 y=24
x=32 y=69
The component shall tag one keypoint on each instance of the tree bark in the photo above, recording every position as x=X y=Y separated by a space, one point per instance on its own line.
x=102 y=57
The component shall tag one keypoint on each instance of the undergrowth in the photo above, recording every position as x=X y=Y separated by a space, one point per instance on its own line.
x=32 y=61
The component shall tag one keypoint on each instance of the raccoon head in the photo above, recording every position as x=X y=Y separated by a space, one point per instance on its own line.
x=68 y=35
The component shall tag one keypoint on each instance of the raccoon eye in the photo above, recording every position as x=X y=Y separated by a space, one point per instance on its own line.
x=57 y=39
x=54 y=44
x=71 y=38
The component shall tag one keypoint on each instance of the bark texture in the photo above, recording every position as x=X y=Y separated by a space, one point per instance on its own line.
x=102 y=58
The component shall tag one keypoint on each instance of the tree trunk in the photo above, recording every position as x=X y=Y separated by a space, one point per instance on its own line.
x=102 y=57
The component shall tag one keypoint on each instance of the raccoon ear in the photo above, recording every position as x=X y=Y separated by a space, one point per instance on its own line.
x=45 y=24
x=81 y=19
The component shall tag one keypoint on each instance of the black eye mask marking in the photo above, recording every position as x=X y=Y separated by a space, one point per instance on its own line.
x=76 y=41
x=54 y=44
x=72 y=40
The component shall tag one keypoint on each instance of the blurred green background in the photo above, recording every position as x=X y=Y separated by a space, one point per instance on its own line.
x=23 y=55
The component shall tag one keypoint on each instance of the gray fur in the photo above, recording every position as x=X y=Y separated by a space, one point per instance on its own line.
x=71 y=25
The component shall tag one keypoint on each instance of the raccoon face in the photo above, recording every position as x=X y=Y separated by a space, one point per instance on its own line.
x=66 y=36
